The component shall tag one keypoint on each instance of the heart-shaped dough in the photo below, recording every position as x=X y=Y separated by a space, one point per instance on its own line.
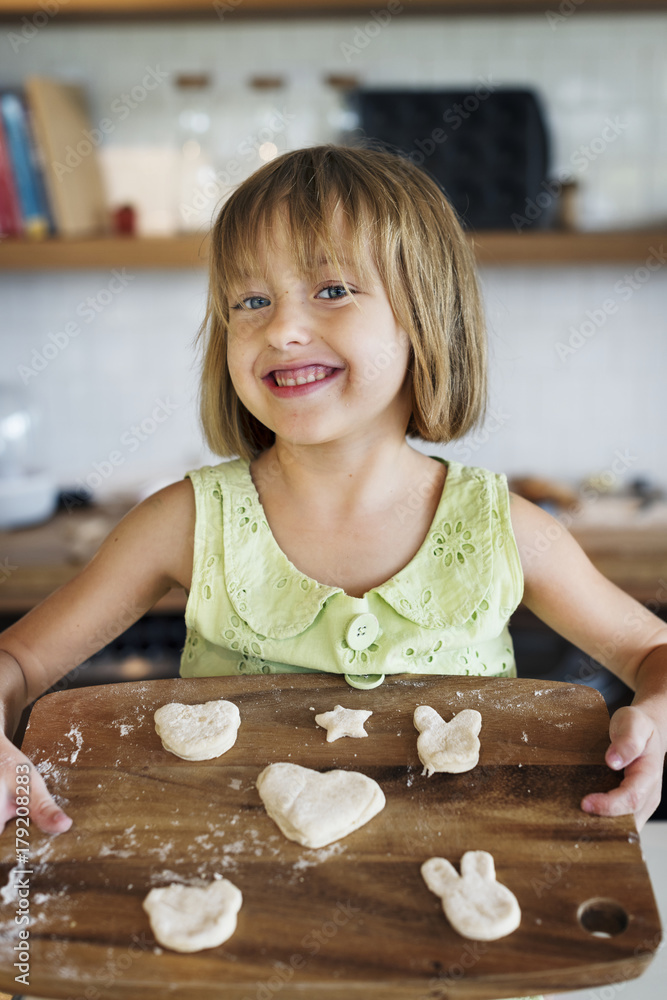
x=189 y=918
x=447 y=746
x=315 y=808
x=475 y=904
x=198 y=732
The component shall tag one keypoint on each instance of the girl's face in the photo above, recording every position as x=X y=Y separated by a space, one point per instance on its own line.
x=308 y=363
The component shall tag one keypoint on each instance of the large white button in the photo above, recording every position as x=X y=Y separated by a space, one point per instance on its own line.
x=362 y=631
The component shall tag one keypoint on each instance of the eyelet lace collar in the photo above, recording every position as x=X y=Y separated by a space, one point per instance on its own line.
x=442 y=585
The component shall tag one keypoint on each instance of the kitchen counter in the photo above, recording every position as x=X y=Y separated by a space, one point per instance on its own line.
x=36 y=561
x=626 y=542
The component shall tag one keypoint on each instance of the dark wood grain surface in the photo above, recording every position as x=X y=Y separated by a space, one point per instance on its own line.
x=352 y=920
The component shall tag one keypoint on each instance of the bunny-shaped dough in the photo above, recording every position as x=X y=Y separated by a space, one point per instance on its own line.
x=447 y=746
x=475 y=904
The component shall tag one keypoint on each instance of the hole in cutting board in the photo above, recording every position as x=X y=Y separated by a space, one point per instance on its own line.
x=602 y=917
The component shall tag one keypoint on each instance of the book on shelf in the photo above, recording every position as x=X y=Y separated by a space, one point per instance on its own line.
x=21 y=153
x=72 y=172
x=10 y=208
x=50 y=177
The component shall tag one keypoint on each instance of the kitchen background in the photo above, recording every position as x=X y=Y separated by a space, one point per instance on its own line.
x=577 y=385
x=555 y=411
x=577 y=349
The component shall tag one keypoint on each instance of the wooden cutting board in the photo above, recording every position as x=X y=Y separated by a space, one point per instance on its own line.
x=353 y=920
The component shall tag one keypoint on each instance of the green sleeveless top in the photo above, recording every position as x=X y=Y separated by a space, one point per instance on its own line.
x=250 y=610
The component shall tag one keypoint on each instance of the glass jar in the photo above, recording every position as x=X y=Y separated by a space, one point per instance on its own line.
x=194 y=173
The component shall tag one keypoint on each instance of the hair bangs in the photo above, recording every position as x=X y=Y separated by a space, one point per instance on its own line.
x=318 y=209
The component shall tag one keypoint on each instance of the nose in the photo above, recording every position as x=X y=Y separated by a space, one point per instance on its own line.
x=287 y=323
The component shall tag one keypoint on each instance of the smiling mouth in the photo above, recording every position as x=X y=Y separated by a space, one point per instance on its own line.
x=301 y=376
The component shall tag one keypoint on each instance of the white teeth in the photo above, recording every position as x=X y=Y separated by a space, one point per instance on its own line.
x=283 y=380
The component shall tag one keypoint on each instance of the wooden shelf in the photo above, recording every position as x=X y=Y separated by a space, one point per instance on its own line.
x=563 y=248
x=104 y=252
x=228 y=9
x=493 y=249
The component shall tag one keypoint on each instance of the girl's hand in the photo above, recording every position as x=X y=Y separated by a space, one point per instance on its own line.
x=43 y=812
x=637 y=746
x=566 y=591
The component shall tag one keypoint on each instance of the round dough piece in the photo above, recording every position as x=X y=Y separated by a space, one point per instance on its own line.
x=189 y=918
x=198 y=732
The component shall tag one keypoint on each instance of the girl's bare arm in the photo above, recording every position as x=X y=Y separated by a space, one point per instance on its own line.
x=565 y=590
x=146 y=554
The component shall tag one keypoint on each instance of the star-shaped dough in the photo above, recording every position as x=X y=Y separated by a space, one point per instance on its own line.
x=343 y=722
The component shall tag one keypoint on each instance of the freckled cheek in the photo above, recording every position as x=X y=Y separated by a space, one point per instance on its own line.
x=240 y=373
x=385 y=361
x=240 y=357
x=232 y=365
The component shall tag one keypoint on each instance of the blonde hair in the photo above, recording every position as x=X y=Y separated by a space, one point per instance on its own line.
x=425 y=263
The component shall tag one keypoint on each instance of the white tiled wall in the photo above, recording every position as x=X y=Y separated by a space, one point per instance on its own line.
x=562 y=416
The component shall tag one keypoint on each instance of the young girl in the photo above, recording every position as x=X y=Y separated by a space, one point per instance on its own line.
x=343 y=315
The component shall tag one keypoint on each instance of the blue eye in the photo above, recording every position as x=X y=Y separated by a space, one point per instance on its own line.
x=252 y=298
x=333 y=288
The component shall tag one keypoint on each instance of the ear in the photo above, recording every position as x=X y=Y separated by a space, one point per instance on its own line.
x=425 y=717
x=469 y=720
x=473 y=719
x=439 y=875
x=480 y=864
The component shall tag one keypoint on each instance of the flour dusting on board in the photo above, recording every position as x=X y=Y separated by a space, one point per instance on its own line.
x=316 y=857
x=9 y=892
x=125 y=725
x=106 y=851
x=204 y=841
x=167 y=875
x=235 y=848
x=163 y=851
x=75 y=734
